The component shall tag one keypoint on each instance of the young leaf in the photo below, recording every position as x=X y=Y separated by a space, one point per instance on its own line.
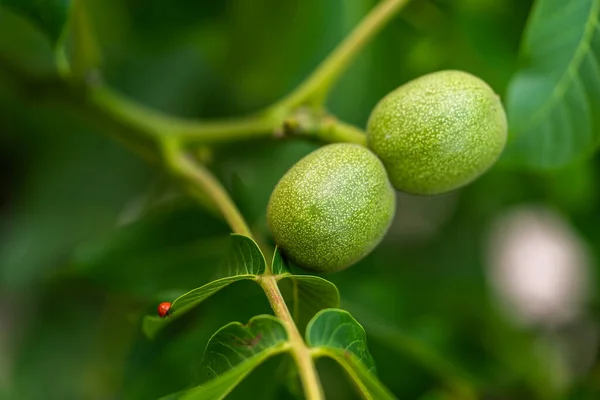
x=232 y=353
x=245 y=257
x=553 y=99
x=336 y=334
x=305 y=294
x=245 y=261
x=49 y=15
x=278 y=265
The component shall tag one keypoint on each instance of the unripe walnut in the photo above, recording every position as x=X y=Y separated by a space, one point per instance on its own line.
x=438 y=132
x=332 y=208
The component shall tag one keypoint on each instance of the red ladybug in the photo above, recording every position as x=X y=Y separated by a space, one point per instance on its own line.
x=163 y=309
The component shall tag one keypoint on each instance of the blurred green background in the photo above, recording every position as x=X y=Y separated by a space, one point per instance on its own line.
x=488 y=292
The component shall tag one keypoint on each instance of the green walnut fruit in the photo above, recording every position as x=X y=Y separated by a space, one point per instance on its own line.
x=332 y=208
x=438 y=132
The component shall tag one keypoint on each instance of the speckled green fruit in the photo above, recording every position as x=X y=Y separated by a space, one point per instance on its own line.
x=438 y=132
x=332 y=208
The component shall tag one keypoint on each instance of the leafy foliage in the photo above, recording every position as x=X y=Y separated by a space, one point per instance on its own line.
x=80 y=277
x=305 y=294
x=336 y=334
x=232 y=353
x=49 y=15
x=553 y=99
x=245 y=261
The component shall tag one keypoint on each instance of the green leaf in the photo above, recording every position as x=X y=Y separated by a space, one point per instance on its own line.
x=232 y=353
x=245 y=261
x=246 y=257
x=336 y=334
x=49 y=15
x=278 y=265
x=553 y=99
x=305 y=294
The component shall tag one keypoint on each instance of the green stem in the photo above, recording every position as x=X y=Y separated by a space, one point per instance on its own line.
x=199 y=177
x=312 y=92
x=159 y=125
x=338 y=131
x=301 y=353
x=140 y=123
x=137 y=124
x=306 y=122
x=315 y=88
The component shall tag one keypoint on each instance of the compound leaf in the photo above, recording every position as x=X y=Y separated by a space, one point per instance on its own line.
x=553 y=99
